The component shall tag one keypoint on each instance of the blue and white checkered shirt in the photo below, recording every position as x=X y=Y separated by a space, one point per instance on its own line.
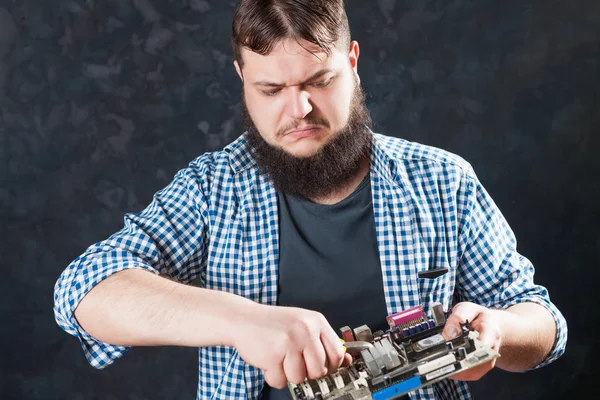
x=218 y=221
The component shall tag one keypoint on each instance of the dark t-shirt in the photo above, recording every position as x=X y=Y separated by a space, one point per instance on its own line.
x=329 y=262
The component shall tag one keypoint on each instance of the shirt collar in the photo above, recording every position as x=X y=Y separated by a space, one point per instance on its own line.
x=382 y=161
x=240 y=158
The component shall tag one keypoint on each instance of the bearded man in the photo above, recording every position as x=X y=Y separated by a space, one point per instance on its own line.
x=306 y=223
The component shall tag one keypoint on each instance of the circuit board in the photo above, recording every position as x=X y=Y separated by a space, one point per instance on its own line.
x=411 y=354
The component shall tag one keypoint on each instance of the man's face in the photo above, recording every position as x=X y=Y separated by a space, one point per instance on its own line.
x=298 y=101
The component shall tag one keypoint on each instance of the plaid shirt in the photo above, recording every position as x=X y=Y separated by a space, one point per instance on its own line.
x=218 y=222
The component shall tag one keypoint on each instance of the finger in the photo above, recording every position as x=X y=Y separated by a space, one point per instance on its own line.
x=347 y=360
x=334 y=351
x=451 y=331
x=488 y=335
x=461 y=313
x=294 y=367
x=315 y=359
x=275 y=377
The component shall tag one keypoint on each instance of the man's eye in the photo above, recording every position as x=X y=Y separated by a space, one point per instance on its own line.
x=271 y=92
x=321 y=84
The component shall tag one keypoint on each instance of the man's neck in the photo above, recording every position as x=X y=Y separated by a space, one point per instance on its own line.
x=346 y=189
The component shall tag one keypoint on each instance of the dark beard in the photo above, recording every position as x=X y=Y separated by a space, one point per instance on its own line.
x=321 y=174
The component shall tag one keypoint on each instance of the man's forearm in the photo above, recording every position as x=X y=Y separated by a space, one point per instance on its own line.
x=529 y=334
x=138 y=308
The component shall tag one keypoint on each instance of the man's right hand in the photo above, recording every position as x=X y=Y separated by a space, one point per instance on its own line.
x=289 y=344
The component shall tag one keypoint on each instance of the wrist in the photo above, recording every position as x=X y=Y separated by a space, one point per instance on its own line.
x=241 y=315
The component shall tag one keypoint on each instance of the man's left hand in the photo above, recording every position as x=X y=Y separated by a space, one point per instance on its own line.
x=482 y=320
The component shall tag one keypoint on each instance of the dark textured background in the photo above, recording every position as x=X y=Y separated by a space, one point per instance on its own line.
x=103 y=101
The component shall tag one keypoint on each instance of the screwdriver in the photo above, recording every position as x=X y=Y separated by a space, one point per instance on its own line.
x=356 y=345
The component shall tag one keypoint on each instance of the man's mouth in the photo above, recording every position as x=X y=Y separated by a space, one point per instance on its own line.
x=303 y=131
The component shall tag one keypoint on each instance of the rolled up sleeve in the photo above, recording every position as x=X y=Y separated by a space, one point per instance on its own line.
x=166 y=238
x=492 y=272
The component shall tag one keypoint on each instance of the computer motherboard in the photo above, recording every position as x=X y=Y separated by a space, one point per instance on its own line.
x=411 y=354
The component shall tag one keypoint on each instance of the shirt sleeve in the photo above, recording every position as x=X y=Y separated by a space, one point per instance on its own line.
x=166 y=238
x=491 y=271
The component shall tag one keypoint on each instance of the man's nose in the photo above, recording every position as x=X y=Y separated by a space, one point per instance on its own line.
x=298 y=104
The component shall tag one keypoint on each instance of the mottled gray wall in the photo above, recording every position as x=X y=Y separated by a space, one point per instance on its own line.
x=103 y=101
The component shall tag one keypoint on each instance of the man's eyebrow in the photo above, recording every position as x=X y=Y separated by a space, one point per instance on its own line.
x=314 y=76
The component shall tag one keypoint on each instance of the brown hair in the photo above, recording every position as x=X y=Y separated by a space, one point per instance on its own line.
x=259 y=24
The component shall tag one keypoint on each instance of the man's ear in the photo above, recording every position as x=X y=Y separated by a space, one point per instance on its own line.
x=238 y=70
x=353 y=54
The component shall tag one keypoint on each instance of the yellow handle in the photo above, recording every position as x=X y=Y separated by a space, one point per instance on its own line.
x=342 y=341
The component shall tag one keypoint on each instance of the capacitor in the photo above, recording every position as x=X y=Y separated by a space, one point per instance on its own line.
x=347 y=334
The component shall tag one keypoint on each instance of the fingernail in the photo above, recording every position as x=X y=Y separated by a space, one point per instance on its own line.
x=452 y=332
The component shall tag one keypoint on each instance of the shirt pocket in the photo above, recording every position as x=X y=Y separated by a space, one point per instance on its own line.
x=438 y=289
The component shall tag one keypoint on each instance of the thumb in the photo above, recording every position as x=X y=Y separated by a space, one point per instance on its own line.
x=461 y=313
x=451 y=331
